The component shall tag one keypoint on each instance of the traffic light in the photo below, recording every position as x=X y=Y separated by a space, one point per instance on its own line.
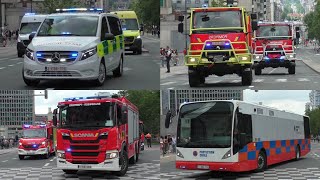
x=46 y=94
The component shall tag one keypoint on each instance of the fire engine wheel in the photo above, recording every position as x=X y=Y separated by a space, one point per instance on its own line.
x=194 y=78
x=292 y=69
x=123 y=162
x=70 y=171
x=261 y=162
x=257 y=70
x=297 y=153
x=119 y=71
x=246 y=77
x=21 y=157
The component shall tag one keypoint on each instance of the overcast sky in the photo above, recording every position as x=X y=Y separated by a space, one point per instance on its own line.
x=55 y=96
x=289 y=100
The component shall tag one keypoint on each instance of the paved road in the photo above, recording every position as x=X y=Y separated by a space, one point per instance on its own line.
x=307 y=167
x=306 y=77
x=140 y=71
x=12 y=168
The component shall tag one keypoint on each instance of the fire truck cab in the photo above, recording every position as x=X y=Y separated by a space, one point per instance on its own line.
x=220 y=38
x=97 y=133
x=37 y=140
x=273 y=46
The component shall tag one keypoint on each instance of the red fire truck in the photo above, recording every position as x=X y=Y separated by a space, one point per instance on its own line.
x=37 y=140
x=273 y=46
x=97 y=133
x=220 y=38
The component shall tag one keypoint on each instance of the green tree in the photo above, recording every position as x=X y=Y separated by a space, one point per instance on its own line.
x=147 y=11
x=50 y=6
x=217 y=3
x=148 y=103
x=314 y=120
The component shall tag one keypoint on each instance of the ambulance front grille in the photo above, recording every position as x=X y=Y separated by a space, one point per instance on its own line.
x=57 y=74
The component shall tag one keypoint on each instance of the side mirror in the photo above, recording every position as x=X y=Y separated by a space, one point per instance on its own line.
x=254 y=25
x=242 y=139
x=180 y=27
x=254 y=16
x=167 y=121
x=180 y=18
x=109 y=36
x=31 y=36
x=54 y=119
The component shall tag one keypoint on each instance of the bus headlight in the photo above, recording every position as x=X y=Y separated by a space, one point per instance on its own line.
x=61 y=154
x=179 y=154
x=112 y=155
x=227 y=155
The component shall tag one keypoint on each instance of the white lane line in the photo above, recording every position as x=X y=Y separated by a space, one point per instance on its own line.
x=186 y=83
x=155 y=160
x=235 y=81
x=14 y=158
x=303 y=79
x=53 y=159
x=46 y=164
x=2 y=67
x=11 y=65
x=281 y=80
x=167 y=83
x=5 y=161
x=251 y=86
x=258 y=80
x=272 y=71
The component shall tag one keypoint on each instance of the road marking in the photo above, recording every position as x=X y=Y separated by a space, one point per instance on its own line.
x=167 y=83
x=2 y=68
x=258 y=80
x=155 y=160
x=46 y=164
x=19 y=62
x=186 y=83
x=11 y=65
x=281 y=80
x=53 y=159
x=251 y=86
x=272 y=71
x=303 y=79
x=14 y=158
x=5 y=161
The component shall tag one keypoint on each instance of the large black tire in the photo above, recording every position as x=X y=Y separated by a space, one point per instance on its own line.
x=119 y=71
x=298 y=155
x=139 y=51
x=246 y=77
x=257 y=70
x=70 y=171
x=261 y=162
x=29 y=82
x=194 y=78
x=123 y=163
x=102 y=75
x=21 y=157
x=20 y=54
x=292 y=69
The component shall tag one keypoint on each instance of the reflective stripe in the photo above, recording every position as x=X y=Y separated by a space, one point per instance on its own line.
x=110 y=46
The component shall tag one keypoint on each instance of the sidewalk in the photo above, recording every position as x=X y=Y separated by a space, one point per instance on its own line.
x=309 y=57
x=5 y=151
x=180 y=69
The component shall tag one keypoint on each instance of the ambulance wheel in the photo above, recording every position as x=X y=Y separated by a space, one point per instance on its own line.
x=261 y=162
x=102 y=75
x=292 y=69
x=29 y=82
x=194 y=78
x=297 y=153
x=21 y=157
x=246 y=77
x=119 y=71
x=70 y=171
x=20 y=54
x=123 y=162
x=257 y=70
x=139 y=51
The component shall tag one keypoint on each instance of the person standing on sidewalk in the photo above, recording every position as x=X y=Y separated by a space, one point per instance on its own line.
x=148 y=137
x=168 y=58
x=174 y=141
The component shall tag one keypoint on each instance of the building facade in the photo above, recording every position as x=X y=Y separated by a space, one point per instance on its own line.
x=314 y=99
x=16 y=108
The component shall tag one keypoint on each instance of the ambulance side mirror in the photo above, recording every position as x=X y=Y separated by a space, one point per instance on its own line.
x=109 y=36
x=31 y=36
x=54 y=118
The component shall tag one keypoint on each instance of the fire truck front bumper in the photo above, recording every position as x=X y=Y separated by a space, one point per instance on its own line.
x=107 y=165
x=40 y=151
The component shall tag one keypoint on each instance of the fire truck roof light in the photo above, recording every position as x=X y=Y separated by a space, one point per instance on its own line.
x=83 y=98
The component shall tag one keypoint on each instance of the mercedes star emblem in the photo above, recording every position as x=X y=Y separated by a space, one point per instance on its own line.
x=55 y=57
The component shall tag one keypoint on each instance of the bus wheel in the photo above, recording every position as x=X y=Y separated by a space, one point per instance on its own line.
x=297 y=153
x=261 y=162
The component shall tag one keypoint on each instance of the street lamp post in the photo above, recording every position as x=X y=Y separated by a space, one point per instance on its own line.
x=185 y=22
x=31 y=6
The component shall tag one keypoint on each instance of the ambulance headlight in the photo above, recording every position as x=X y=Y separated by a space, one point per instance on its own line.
x=112 y=155
x=29 y=54
x=61 y=154
x=88 y=53
x=139 y=37
x=227 y=155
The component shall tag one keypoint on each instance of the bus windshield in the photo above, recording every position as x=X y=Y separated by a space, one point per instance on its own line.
x=266 y=31
x=95 y=115
x=34 y=133
x=205 y=124
x=217 y=19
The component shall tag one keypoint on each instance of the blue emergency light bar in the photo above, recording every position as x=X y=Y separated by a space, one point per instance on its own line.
x=205 y=5
x=80 y=10
x=84 y=98
x=26 y=126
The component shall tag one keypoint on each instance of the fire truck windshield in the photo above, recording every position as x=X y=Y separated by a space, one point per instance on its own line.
x=267 y=31
x=87 y=116
x=205 y=124
x=34 y=133
x=217 y=19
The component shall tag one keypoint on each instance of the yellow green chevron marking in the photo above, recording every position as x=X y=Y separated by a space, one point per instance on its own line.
x=110 y=46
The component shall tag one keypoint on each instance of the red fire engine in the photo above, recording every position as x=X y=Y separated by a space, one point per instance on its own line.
x=97 y=133
x=273 y=46
x=37 y=140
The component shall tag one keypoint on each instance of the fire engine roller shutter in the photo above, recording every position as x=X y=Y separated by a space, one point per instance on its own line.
x=109 y=47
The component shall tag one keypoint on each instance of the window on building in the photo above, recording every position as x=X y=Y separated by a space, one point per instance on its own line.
x=197 y=1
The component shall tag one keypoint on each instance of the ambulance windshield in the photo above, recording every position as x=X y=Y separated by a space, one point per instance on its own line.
x=205 y=124
x=129 y=24
x=87 y=115
x=70 y=25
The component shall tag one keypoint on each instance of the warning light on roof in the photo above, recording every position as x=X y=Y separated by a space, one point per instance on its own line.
x=80 y=10
x=26 y=126
x=205 y=5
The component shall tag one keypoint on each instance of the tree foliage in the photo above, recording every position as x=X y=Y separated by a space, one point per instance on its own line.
x=217 y=3
x=312 y=21
x=148 y=103
x=314 y=120
x=147 y=11
x=50 y=6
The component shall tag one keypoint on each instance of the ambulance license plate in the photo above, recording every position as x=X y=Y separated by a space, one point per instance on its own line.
x=55 y=68
x=84 y=166
x=203 y=167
